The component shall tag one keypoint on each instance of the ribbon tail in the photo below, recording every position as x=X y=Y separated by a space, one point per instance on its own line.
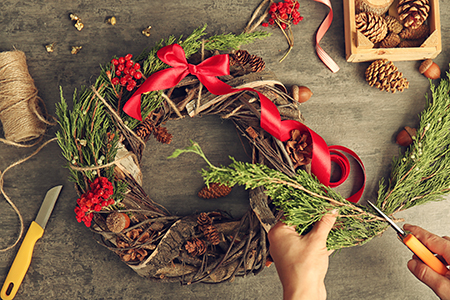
x=133 y=107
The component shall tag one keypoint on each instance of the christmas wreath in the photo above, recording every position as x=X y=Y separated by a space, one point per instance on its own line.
x=104 y=146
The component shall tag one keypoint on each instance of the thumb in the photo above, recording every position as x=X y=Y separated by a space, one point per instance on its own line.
x=323 y=227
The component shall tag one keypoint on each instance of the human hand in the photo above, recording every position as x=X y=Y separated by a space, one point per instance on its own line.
x=302 y=261
x=436 y=244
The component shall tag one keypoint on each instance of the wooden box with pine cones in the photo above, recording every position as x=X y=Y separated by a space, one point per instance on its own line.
x=394 y=30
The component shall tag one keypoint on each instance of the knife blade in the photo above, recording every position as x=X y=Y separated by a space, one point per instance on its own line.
x=22 y=260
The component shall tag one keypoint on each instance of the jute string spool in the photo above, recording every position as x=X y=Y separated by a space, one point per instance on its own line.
x=20 y=110
x=22 y=116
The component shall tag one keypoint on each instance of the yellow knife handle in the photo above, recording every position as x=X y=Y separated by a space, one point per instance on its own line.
x=21 y=263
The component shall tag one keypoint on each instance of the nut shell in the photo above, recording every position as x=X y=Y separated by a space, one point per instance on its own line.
x=404 y=137
x=301 y=94
x=430 y=69
x=117 y=221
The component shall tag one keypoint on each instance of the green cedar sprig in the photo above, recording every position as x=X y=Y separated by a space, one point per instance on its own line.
x=422 y=173
x=303 y=199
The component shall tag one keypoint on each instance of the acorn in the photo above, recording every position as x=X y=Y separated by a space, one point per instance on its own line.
x=430 y=69
x=300 y=93
x=404 y=137
x=117 y=221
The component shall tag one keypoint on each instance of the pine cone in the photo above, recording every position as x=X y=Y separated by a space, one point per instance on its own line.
x=373 y=26
x=215 y=190
x=413 y=12
x=410 y=43
x=195 y=247
x=390 y=41
x=245 y=59
x=299 y=148
x=162 y=135
x=257 y=64
x=385 y=76
x=145 y=129
x=408 y=33
x=212 y=234
x=393 y=24
x=203 y=220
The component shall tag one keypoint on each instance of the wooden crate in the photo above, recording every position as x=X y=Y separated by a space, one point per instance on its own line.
x=358 y=48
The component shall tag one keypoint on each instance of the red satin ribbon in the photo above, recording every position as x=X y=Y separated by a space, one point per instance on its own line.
x=218 y=65
x=326 y=59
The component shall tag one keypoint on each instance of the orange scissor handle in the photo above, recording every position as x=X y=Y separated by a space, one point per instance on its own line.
x=424 y=254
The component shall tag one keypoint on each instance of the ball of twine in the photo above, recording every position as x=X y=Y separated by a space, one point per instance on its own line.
x=20 y=110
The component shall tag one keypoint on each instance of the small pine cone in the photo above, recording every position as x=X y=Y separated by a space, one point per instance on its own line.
x=393 y=24
x=195 y=247
x=145 y=129
x=257 y=63
x=408 y=33
x=240 y=57
x=385 y=76
x=372 y=26
x=413 y=12
x=410 y=43
x=212 y=234
x=204 y=220
x=162 y=135
x=215 y=190
x=390 y=41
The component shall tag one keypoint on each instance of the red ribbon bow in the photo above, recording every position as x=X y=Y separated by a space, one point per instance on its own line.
x=218 y=65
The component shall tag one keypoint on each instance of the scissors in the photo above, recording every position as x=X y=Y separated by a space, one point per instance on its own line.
x=415 y=245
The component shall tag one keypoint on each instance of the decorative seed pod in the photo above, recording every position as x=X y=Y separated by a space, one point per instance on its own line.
x=300 y=94
x=117 y=221
x=430 y=69
x=404 y=137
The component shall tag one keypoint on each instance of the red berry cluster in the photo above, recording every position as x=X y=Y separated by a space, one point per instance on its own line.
x=127 y=72
x=94 y=200
x=283 y=13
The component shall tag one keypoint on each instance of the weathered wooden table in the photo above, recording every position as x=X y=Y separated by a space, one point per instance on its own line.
x=345 y=110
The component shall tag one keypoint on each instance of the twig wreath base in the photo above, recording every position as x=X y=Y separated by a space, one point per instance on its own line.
x=102 y=144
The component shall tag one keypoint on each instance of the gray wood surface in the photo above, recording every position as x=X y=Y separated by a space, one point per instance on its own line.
x=344 y=110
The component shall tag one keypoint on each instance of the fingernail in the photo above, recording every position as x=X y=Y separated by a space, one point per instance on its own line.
x=335 y=212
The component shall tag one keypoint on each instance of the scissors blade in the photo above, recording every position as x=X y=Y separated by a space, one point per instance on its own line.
x=389 y=220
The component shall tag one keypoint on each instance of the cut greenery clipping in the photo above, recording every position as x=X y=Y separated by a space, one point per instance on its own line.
x=420 y=175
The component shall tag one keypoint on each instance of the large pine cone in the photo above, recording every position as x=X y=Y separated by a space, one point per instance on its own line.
x=385 y=76
x=413 y=12
x=373 y=26
x=420 y=32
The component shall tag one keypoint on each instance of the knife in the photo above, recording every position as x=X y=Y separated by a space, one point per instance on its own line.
x=415 y=245
x=22 y=261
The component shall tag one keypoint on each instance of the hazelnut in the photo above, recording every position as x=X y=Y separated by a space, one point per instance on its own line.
x=430 y=69
x=117 y=221
x=404 y=137
x=301 y=93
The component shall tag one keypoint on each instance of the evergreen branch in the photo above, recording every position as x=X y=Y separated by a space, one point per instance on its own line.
x=422 y=173
x=303 y=199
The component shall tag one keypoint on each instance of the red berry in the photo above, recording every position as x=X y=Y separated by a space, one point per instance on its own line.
x=138 y=75
x=115 y=81
x=265 y=24
x=297 y=5
x=129 y=64
x=115 y=62
x=121 y=67
x=132 y=71
x=271 y=21
x=273 y=7
x=283 y=26
x=137 y=66
x=128 y=56
x=123 y=81
x=126 y=71
x=283 y=16
x=130 y=88
x=118 y=73
x=121 y=60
